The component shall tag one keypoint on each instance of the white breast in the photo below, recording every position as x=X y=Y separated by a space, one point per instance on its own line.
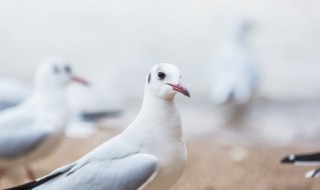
x=172 y=161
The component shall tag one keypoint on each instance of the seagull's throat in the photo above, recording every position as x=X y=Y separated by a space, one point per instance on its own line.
x=158 y=106
x=160 y=114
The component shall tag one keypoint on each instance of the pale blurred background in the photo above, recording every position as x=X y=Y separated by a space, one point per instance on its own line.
x=115 y=43
x=125 y=38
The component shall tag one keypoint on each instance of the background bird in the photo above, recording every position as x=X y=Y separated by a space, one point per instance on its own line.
x=86 y=106
x=149 y=154
x=34 y=128
x=234 y=72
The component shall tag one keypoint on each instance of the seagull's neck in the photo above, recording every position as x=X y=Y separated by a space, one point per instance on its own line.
x=51 y=95
x=158 y=118
x=154 y=104
x=51 y=105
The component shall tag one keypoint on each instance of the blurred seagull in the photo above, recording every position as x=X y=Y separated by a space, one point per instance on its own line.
x=150 y=154
x=234 y=74
x=12 y=93
x=85 y=105
x=305 y=159
x=33 y=128
x=234 y=71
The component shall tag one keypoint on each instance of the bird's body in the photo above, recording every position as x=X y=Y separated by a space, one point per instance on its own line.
x=149 y=154
x=34 y=118
x=234 y=78
x=169 y=147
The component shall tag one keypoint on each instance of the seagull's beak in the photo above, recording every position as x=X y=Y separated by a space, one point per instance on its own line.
x=79 y=80
x=180 y=88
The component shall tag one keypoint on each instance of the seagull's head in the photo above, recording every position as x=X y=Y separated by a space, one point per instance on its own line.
x=163 y=81
x=56 y=73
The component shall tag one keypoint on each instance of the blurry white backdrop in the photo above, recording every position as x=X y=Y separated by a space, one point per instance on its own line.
x=116 y=42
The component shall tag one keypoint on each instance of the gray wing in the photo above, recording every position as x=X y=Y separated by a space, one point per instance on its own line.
x=18 y=116
x=95 y=116
x=12 y=93
x=127 y=173
x=14 y=143
x=7 y=104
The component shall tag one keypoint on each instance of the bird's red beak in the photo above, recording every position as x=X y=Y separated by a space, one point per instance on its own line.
x=79 y=80
x=180 y=88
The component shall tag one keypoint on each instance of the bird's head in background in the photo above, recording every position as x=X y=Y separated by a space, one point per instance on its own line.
x=163 y=81
x=242 y=29
x=56 y=73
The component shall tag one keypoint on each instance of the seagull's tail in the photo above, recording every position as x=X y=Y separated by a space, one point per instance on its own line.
x=100 y=115
x=313 y=173
x=27 y=186
x=302 y=159
x=34 y=184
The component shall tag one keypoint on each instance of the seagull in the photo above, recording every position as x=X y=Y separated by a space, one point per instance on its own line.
x=234 y=75
x=34 y=128
x=304 y=159
x=85 y=106
x=234 y=72
x=150 y=154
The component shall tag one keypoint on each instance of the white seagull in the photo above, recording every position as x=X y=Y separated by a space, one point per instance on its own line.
x=305 y=159
x=233 y=70
x=150 y=154
x=33 y=128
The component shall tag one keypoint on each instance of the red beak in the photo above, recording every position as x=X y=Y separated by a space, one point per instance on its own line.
x=180 y=88
x=79 y=80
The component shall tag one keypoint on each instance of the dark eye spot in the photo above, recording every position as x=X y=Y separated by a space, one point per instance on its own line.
x=56 y=69
x=161 y=75
x=67 y=69
x=149 y=78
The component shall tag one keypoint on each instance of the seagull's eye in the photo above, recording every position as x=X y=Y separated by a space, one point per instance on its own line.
x=161 y=75
x=67 y=69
